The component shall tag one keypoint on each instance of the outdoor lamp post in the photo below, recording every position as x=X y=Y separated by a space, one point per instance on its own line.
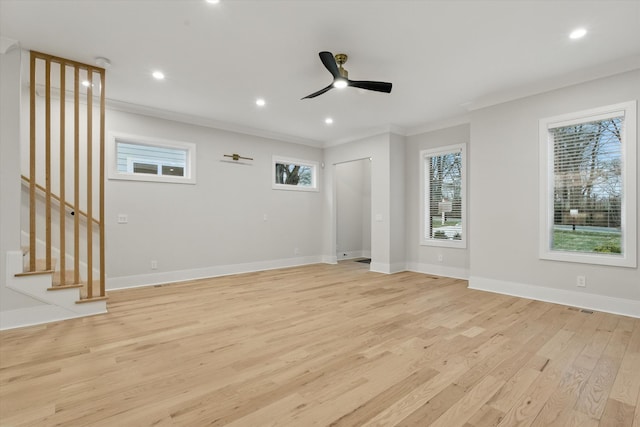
x=574 y=217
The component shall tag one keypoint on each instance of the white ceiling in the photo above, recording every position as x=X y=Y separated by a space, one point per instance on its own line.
x=444 y=58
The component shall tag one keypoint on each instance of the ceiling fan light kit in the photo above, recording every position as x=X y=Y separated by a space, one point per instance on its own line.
x=341 y=76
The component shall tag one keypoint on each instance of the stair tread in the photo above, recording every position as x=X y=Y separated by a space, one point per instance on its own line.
x=95 y=288
x=34 y=273
x=92 y=299
x=59 y=287
x=69 y=279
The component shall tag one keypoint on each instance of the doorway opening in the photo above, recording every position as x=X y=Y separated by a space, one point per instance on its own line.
x=353 y=210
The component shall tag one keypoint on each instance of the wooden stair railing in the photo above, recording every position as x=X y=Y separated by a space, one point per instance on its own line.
x=47 y=71
x=55 y=197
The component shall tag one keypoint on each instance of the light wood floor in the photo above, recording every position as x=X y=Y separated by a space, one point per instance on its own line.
x=323 y=345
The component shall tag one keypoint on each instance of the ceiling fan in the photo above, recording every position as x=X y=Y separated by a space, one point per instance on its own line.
x=341 y=76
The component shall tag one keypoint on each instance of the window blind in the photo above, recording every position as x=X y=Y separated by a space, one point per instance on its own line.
x=587 y=185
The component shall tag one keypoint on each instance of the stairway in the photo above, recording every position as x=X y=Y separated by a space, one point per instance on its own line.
x=55 y=300
x=63 y=196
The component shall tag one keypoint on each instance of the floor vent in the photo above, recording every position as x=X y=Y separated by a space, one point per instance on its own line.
x=586 y=311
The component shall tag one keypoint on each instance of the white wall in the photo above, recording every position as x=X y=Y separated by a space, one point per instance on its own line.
x=397 y=202
x=353 y=206
x=504 y=201
x=455 y=261
x=216 y=226
x=10 y=174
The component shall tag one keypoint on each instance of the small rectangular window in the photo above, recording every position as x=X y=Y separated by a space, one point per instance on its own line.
x=443 y=217
x=588 y=186
x=294 y=174
x=144 y=159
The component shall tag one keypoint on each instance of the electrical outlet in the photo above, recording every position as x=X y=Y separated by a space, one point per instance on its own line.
x=440 y=258
x=581 y=281
x=123 y=219
x=296 y=251
x=154 y=264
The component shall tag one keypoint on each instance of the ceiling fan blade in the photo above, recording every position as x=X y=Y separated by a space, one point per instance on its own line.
x=377 y=86
x=320 y=92
x=329 y=62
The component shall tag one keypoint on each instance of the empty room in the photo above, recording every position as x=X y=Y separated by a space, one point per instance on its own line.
x=319 y=213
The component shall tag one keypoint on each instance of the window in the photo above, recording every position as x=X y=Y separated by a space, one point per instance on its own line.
x=588 y=186
x=442 y=194
x=144 y=159
x=294 y=174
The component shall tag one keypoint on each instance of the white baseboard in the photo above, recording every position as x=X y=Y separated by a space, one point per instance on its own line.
x=54 y=306
x=342 y=255
x=11 y=319
x=328 y=259
x=140 y=280
x=439 y=270
x=594 y=302
x=386 y=268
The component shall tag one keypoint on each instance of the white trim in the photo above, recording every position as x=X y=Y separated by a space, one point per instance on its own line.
x=582 y=75
x=141 y=280
x=57 y=305
x=112 y=163
x=624 y=307
x=208 y=122
x=366 y=134
x=344 y=255
x=464 y=119
x=315 y=182
x=439 y=270
x=7 y=44
x=386 y=268
x=462 y=148
x=329 y=259
x=30 y=316
x=628 y=257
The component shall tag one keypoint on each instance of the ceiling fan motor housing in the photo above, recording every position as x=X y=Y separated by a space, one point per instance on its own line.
x=341 y=58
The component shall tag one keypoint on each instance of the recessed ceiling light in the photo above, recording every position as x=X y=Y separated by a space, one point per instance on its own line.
x=213 y=1
x=158 y=75
x=260 y=102
x=328 y=120
x=578 y=33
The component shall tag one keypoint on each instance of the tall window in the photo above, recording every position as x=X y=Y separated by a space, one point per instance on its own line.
x=443 y=186
x=588 y=185
x=144 y=159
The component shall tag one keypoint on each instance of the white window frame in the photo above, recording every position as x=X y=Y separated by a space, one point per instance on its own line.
x=113 y=173
x=288 y=160
x=425 y=189
x=629 y=170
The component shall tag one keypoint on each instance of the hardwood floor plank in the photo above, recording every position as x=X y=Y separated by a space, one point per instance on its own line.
x=627 y=384
x=617 y=414
x=593 y=397
x=323 y=345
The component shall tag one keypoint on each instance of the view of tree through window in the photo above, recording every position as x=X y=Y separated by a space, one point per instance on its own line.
x=445 y=186
x=443 y=211
x=587 y=190
x=293 y=174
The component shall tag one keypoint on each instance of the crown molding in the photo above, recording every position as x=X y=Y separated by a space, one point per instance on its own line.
x=440 y=124
x=612 y=68
x=7 y=44
x=206 y=122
